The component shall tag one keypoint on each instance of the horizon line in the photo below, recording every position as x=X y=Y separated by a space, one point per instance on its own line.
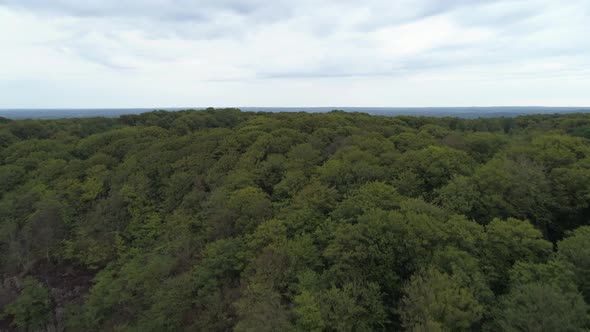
x=155 y=108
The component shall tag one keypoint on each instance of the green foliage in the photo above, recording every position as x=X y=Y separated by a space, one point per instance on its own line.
x=509 y=241
x=539 y=307
x=260 y=309
x=219 y=220
x=373 y=195
x=308 y=312
x=10 y=177
x=420 y=172
x=502 y=188
x=484 y=145
x=575 y=251
x=31 y=310
x=435 y=297
x=555 y=272
x=465 y=270
x=126 y=289
x=354 y=307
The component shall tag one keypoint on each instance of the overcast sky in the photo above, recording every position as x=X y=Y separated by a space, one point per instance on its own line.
x=148 y=53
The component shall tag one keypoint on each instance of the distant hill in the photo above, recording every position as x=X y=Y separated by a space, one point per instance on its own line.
x=460 y=112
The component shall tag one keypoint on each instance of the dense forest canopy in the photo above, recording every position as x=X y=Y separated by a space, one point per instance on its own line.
x=222 y=220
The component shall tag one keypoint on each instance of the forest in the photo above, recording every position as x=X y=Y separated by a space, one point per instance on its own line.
x=223 y=220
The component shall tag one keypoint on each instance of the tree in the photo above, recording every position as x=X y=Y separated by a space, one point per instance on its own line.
x=354 y=307
x=308 y=312
x=369 y=250
x=501 y=188
x=538 y=307
x=260 y=309
x=10 y=177
x=575 y=250
x=483 y=145
x=237 y=212
x=422 y=171
x=435 y=297
x=571 y=197
x=466 y=271
x=555 y=272
x=31 y=310
x=505 y=243
x=373 y=195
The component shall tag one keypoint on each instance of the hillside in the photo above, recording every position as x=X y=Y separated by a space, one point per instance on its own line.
x=223 y=220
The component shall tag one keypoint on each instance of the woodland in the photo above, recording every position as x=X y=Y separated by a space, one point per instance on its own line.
x=223 y=220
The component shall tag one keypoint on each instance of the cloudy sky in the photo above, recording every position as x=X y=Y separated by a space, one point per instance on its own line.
x=148 y=53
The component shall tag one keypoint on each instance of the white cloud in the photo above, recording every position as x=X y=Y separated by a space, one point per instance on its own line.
x=427 y=34
x=292 y=53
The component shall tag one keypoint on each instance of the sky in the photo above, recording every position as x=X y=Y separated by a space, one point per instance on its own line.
x=177 y=53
